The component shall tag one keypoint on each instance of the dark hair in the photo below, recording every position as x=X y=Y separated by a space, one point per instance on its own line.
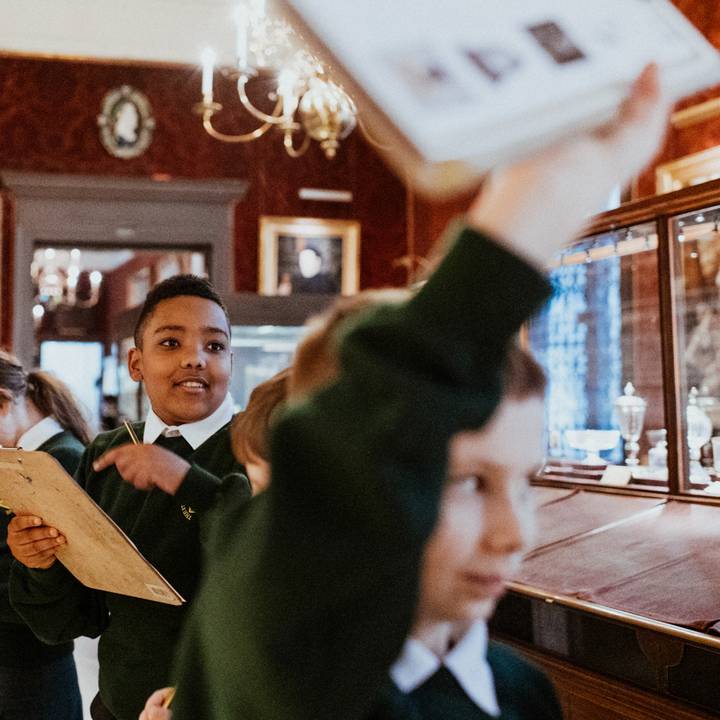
x=176 y=286
x=49 y=394
x=251 y=428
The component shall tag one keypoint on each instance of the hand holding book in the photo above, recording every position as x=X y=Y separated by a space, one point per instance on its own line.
x=452 y=89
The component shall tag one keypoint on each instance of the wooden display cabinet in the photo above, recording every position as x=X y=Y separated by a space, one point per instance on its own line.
x=619 y=598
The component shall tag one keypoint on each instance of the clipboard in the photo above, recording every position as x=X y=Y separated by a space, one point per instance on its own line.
x=98 y=553
x=450 y=89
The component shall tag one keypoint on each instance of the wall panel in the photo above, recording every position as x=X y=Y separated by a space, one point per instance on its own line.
x=48 y=111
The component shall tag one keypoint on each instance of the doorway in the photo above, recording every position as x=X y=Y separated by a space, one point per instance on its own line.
x=78 y=211
x=82 y=297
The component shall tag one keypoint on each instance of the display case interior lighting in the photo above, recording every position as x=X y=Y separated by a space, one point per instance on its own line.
x=707 y=229
x=618 y=247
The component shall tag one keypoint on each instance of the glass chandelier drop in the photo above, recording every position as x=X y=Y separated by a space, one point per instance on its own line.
x=303 y=104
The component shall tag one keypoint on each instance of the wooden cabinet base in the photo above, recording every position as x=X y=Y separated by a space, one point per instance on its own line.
x=586 y=695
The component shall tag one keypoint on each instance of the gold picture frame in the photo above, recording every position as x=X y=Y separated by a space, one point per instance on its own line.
x=301 y=255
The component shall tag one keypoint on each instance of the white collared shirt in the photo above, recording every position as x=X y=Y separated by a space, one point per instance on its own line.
x=196 y=433
x=39 y=433
x=466 y=662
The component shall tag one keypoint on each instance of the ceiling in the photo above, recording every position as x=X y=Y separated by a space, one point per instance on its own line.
x=143 y=30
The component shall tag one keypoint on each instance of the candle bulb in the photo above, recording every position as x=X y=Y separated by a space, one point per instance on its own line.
x=286 y=90
x=208 y=68
x=241 y=24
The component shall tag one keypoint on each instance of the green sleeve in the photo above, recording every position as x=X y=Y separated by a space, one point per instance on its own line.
x=308 y=599
x=67 y=450
x=55 y=605
x=6 y=559
x=202 y=490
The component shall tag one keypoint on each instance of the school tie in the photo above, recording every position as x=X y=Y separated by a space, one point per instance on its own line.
x=176 y=444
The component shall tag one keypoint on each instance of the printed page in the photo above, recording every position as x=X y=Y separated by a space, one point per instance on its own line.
x=477 y=81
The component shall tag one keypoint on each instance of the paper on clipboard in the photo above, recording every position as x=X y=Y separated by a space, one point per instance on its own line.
x=453 y=88
x=97 y=553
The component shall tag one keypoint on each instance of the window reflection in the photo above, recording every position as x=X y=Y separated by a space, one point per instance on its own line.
x=698 y=303
x=601 y=330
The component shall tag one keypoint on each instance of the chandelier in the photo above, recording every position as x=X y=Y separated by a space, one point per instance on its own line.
x=303 y=104
x=60 y=279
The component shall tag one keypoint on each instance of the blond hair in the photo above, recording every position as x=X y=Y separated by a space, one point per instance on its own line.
x=251 y=428
x=316 y=358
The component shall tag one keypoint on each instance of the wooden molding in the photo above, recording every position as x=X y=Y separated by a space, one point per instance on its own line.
x=688 y=170
x=695 y=114
x=585 y=695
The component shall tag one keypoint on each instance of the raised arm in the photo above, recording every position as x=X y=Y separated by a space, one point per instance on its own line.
x=311 y=591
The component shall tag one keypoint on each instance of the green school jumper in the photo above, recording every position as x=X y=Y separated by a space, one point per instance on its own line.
x=310 y=590
x=137 y=637
x=18 y=645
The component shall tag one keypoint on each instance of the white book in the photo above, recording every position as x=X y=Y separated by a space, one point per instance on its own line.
x=454 y=87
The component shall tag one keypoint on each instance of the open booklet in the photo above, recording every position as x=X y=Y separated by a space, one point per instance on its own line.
x=97 y=553
x=453 y=88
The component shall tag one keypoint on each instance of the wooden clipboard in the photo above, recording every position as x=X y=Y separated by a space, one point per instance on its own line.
x=97 y=552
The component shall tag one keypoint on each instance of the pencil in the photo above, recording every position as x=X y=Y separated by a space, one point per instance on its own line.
x=131 y=432
x=169 y=698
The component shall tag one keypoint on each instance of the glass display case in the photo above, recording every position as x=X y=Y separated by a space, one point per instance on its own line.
x=259 y=352
x=696 y=237
x=599 y=341
x=630 y=341
x=628 y=513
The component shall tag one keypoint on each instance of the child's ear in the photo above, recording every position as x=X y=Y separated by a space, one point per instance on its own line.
x=135 y=364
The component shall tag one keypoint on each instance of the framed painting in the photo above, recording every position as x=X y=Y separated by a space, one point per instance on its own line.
x=300 y=256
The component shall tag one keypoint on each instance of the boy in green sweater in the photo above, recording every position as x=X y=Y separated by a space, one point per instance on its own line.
x=396 y=499
x=158 y=492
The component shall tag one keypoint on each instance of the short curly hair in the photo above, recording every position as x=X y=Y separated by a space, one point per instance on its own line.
x=172 y=287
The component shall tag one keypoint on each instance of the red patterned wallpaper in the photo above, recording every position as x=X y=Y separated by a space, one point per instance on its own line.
x=48 y=113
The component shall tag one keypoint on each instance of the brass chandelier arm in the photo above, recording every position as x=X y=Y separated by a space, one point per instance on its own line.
x=247 y=137
x=275 y=119
x=290 y=148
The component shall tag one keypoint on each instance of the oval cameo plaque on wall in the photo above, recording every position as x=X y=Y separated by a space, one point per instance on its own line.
x=126 y=122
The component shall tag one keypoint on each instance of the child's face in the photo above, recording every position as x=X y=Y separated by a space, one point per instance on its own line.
x=185 y=360
x=486 y=515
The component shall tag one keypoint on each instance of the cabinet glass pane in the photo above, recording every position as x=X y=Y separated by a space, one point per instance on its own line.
x=698 y=318
x=260 y=351
x=599 y=332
